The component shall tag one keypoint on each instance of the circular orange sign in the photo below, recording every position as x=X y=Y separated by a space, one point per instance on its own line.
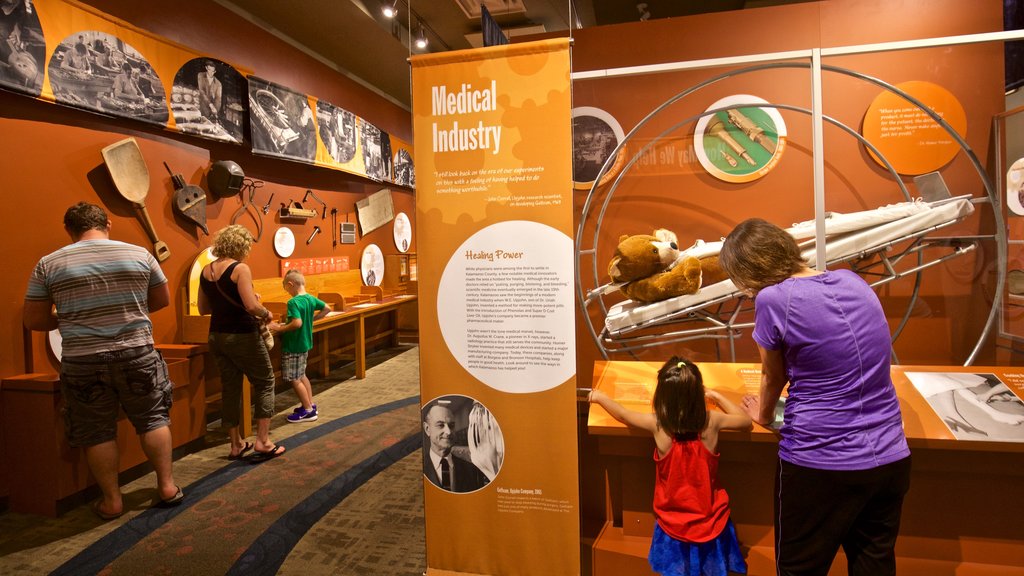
x=906 y=135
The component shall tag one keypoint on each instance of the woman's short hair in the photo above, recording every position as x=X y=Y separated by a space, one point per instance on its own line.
x=679 y=399
x=757 y=254
x=232 y=241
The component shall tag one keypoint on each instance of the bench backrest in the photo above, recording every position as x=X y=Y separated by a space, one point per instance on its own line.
x=348 y=283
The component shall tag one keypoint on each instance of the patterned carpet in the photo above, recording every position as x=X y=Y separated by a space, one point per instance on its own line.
x=345 y=499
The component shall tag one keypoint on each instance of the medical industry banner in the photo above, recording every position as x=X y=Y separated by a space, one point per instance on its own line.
x=492 y=142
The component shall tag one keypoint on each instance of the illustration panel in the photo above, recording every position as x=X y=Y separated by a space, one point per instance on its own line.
x=972 y=406
x=100 y=72
x=22 y=48
x=282 y=122
x=337 y=129
x=208 y=99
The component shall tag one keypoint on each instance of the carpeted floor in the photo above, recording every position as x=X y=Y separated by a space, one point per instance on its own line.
x=345 y=499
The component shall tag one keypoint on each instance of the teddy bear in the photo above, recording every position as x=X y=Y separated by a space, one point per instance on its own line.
x=653 y=269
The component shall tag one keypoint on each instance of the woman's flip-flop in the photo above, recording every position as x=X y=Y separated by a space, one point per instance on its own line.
x=263 y=456
x=241 y=453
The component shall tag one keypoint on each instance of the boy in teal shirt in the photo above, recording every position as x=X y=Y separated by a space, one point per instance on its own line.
x=297 y=340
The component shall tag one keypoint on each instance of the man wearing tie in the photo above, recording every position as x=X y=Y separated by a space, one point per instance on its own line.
x=443 y=468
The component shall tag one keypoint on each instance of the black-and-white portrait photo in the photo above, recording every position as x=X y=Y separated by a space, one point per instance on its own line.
x=208 y=98
x=463 y=447
x=973 y=406
x=370 y=140
x=595 y=134
x=22 y=47
x=282 y=122
x=100 y=72
x=405 y=175
x=337 y=129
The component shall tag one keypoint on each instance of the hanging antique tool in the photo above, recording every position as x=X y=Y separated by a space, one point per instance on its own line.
x=323 y=205
x=131 y=178
x=266 y=207
x=189 y=200
x=316 y=230
x=249 y=187
x=334 y=227
x=294 y=211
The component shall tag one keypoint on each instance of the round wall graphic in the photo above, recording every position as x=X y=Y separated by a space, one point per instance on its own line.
x=284 y=242
x=740 y=144
x=402 y=232
x=906 y=135
x=372 y=265
x=463 y=432
x=1015 y=188
x=595 y=134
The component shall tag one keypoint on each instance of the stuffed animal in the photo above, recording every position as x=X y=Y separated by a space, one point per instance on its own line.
x=653 y=269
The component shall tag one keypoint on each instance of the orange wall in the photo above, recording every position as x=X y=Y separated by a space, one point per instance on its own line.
x=948 y=318
x=52 y=159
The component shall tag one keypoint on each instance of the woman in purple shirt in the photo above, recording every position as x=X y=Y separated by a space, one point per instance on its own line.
x=844 y=464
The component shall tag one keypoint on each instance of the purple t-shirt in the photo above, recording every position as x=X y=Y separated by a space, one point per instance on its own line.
x=842 y=412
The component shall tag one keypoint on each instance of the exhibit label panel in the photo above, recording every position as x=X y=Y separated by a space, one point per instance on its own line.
x=492 y=134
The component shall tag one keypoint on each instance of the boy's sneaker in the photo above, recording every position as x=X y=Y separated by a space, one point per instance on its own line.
x=299 y=409
x=302 y=416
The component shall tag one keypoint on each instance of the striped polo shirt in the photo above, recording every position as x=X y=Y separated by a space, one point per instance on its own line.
x=100 y=288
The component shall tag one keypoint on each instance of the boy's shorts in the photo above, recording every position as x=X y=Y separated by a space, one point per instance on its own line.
x=293 y=365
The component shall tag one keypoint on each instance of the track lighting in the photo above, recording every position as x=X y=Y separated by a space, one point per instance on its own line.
x=390 y=11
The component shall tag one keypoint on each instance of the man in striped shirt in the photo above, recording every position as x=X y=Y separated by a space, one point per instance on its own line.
x=103 y=291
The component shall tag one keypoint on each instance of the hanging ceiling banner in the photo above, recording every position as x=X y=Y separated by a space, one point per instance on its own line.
x=492 y=135
x=67 y=52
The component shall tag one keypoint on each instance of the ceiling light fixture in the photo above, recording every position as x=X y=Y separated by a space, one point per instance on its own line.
x=390 y=11
x=421 y=39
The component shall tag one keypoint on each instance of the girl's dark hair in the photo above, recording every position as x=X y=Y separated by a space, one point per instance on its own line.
x=679 y=399
x=757 y=254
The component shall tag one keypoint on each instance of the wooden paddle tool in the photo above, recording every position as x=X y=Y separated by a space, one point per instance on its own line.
x=131 y=178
